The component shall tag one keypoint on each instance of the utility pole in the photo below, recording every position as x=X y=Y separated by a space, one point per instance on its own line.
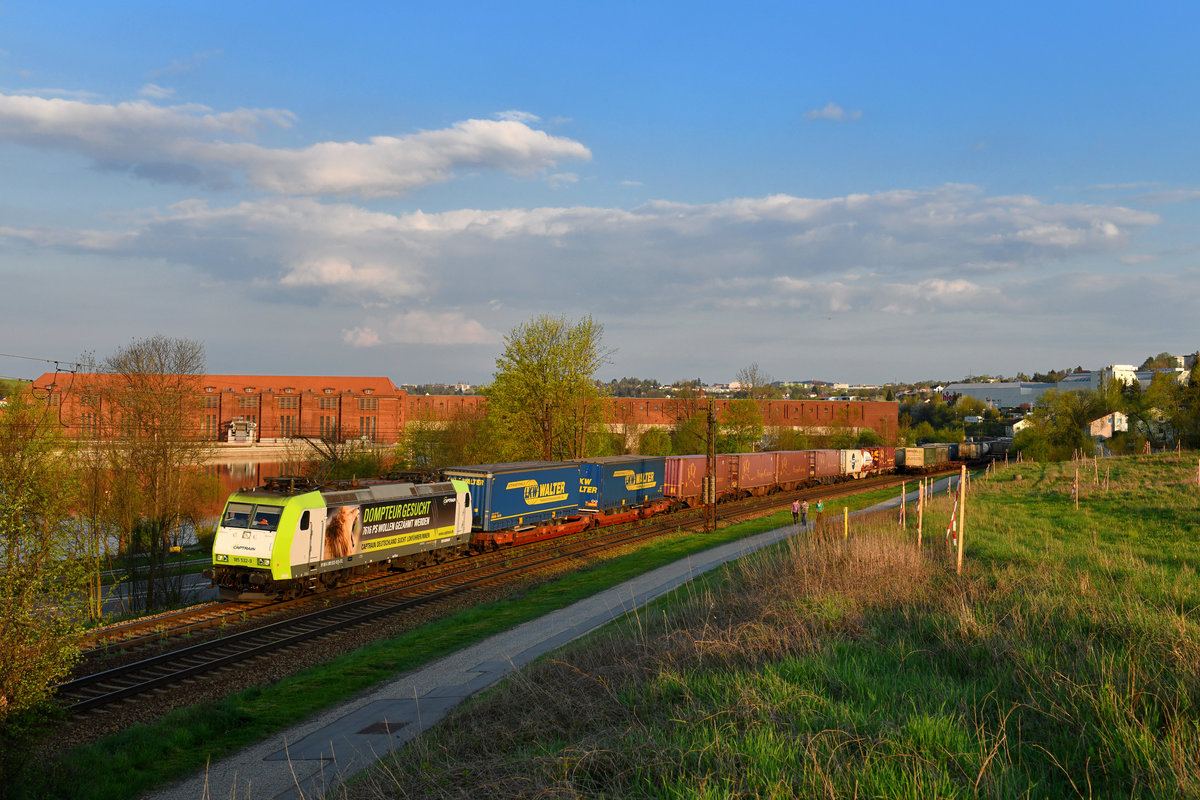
x=710 y=469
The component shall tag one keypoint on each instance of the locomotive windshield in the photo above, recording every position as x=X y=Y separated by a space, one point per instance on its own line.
x=245 y=515
x=237 y=515
x=265 y=518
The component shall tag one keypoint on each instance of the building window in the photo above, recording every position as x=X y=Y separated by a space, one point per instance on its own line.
x=329 y=426
x=328 y=403
x=211 y=402
x=210 y=426
x=366 y=427
x=89 y=427
x=287 y=426
x=247 y=402
x=368 y=403
x=289 y=402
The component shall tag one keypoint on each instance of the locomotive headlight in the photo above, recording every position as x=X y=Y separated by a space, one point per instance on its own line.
x=220 y=557
x=264 y=562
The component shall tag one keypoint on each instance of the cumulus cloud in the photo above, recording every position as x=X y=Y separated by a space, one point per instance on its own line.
x=361 y=337
x=832 y=112
x=523 y=117
x=898 y=252
x=153 y=90
x=424 y=327
x=193 y=144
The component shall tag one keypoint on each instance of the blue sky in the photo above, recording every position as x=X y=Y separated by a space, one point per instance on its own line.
x=849 y=191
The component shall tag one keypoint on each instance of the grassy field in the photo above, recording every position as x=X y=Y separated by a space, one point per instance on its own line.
x=1063 y=662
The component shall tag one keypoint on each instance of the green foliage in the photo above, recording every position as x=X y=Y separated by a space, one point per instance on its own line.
x=42 y=598
x=12 y=388
x=791 y=439
x=741 y=428
x=633 y=387
x=868 y=438
x=654 y=442
x=543 y=395
x=690 y=436
x=1161 y=361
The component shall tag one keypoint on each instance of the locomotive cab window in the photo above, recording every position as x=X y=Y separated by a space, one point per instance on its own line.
x=304 y=521
x=266 y=518
x=237 y=515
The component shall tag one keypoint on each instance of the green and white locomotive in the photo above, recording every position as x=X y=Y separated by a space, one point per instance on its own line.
x=292 y=535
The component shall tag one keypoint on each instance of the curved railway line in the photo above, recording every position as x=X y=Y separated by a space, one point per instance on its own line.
x=236 y=633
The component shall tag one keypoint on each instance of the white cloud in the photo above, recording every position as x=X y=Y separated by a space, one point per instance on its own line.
x=361 y=337
x=424 y=327
x=156 y=92
x=523 y=117
x=901 y=252
x=833 y=112
x=560 y=179
x=193 y=144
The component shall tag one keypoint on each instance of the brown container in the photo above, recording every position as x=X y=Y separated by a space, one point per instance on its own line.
x=752 y=472
x=795 y=468
x=685 y=477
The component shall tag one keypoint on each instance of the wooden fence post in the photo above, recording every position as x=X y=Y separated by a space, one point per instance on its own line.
x=962 y=516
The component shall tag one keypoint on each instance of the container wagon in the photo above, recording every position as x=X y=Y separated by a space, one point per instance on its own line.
x=795 y=469
x=752 y=473
x=608 y=483
x=520 y=495
x=685 y=478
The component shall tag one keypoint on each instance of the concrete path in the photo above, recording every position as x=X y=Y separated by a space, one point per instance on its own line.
x=307 y=759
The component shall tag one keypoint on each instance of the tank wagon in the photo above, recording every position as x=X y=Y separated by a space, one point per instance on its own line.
x=291 y=535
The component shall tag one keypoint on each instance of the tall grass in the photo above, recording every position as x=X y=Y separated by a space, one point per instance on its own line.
x=1064 y=662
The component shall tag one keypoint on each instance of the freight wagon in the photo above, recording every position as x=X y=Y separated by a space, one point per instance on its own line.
x=923 y=458
x=752 y=474
x=519 y=494
x=612 y=482
x=685 y=478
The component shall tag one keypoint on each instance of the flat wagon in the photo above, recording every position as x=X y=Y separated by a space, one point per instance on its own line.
x=607 y=483
x=520 y=494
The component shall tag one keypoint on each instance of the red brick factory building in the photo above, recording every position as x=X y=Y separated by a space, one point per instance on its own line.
x=269 y=408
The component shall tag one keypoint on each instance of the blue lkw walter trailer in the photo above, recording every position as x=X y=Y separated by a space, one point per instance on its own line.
x=609 y=482
x=520 y=494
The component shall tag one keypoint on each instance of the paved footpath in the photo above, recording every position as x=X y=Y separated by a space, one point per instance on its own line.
x=309 y=758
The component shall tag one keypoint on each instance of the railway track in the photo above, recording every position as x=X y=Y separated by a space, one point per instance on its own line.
x=394 y=594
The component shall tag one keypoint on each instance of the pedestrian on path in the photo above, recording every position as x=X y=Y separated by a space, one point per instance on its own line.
x=804 y=513
x=795 y=512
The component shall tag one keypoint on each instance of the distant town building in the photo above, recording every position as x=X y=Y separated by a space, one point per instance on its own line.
x=1109 y=424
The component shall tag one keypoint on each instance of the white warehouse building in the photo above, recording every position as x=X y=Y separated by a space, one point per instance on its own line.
x=1012 y=395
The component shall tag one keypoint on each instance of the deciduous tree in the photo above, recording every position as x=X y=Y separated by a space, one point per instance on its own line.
x=152 y=398
x=543 y=395
x=42 y=597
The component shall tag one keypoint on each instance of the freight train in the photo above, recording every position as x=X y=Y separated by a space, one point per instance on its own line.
x=292 y=536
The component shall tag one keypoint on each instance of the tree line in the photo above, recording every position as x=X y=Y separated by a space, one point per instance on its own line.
x=1163 y=415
